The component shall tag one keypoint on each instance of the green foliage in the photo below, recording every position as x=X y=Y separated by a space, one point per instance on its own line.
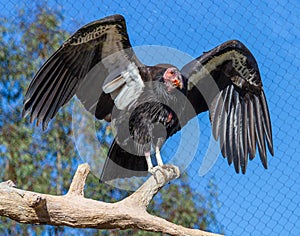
x=45 y=162
x=28 y=157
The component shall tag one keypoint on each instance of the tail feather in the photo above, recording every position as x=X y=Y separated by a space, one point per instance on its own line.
x=122 y=164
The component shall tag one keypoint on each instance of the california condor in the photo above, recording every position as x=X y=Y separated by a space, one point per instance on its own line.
x=147 y=104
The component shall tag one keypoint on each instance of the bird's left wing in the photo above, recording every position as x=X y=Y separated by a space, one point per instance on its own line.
x=99 y=54
x=226 y=81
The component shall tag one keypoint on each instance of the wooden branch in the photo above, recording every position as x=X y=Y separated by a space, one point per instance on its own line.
x=76 y=211
x=78 y=182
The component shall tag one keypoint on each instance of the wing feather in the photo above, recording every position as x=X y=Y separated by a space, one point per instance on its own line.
x=243 y=138
x=259 y=132
x=52 y=94
x=43 y=91
x=62 y=96
x=223 y=124
x=217 y=115
x=81 y=66
x=266 y=122
x=226 y=80
x=37 y=88
x=251 y=128
x=236 y=123
x=229 y=131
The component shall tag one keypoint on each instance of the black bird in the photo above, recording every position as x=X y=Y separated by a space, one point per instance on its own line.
x=148 y=104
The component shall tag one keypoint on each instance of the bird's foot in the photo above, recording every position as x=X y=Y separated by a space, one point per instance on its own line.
x=164 y=173
x=158 y=173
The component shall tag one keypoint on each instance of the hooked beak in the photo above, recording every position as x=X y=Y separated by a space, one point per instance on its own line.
x=173 y=79
x=177 y=82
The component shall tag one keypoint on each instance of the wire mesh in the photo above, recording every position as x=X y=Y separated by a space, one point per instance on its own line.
x=262 y=202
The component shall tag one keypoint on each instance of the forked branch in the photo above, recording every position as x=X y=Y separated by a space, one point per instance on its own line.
x=74 y=210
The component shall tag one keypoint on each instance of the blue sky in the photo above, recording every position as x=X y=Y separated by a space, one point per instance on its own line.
x=262 y=202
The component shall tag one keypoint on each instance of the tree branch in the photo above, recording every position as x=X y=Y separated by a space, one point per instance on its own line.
x=76 y=211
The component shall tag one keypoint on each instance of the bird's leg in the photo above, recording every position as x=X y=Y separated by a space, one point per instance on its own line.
x=160 y=142
x=158 y=156
x=152 y=170
x=160 y=165
x=149 y=162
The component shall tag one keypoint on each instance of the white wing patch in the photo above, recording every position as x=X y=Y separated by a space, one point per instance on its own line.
x=238 y=63
x=126 y=88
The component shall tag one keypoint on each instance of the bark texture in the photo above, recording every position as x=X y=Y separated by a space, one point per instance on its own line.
x=74 y=210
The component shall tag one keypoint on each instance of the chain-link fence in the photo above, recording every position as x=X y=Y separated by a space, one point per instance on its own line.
x=261 y=202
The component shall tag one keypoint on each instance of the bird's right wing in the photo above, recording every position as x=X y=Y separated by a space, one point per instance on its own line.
x=96 y=58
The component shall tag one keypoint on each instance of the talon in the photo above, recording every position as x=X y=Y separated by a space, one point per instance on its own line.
x=168 y=166
x=154 y=171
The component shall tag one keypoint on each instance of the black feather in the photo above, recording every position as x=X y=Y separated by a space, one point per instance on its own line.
x=267 y=123
x=245 y=123
x=251 y=128
x=122 y=164
x=98 y=64
x=244 y=149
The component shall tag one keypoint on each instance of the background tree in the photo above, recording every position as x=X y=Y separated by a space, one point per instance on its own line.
x=44 y=162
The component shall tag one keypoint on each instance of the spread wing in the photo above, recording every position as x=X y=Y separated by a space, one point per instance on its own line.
x=226 y=80
x=96 y=58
